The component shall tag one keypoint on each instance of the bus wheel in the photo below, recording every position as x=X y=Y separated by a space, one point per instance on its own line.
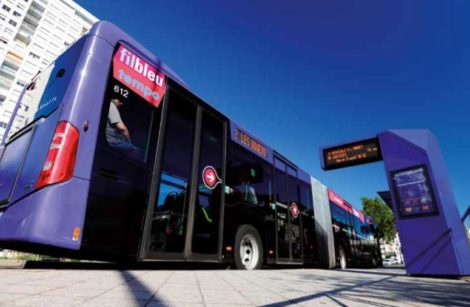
x=342 y=259
x=248 y=248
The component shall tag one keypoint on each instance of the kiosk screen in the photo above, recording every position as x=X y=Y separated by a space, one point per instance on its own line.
x=414 y=192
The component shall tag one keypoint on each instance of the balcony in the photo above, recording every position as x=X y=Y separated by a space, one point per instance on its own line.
x=19 y=46
x=33 y=20
x=5 y=83
x=43 y=2
x=26 y=25
x=12 y=61
x=7 y=71
x=24 y=36
x=35 y=10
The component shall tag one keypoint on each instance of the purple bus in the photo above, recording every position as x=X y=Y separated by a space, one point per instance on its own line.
x=113 y=158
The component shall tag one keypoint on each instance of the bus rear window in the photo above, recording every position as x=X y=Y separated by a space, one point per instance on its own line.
x=47 y=89
x=29 y=103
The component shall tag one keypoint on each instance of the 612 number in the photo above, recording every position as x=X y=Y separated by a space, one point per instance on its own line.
x=123 y=92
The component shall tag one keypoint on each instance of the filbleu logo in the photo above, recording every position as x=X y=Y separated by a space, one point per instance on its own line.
x=142 y=78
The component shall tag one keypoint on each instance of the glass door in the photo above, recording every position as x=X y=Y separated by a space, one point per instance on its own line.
x=282 y=212
x=170 y=212
x=294 y=215
x=209 y=195
x=288 y=213
x=184 y=219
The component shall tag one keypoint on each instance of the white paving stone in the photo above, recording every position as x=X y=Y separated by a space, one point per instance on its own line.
x=286 y=287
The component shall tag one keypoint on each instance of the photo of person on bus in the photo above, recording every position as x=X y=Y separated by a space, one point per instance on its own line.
x=117 y=133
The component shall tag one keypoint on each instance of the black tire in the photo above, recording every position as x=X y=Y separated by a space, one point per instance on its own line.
x=343 y=263
x=248 y=253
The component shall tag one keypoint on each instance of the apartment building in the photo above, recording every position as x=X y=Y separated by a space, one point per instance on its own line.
x=392 y=249
x=32 y=34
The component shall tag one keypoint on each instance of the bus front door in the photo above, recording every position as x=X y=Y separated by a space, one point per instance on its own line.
x=185 y=211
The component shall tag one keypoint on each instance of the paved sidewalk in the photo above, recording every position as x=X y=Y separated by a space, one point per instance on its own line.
x=285 y=287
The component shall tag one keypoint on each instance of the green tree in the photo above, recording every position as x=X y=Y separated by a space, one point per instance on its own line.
x=382 y=215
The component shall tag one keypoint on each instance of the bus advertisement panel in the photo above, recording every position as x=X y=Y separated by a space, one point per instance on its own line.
x=138 y=75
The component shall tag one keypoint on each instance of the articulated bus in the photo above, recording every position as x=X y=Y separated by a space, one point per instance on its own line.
x=355 y=235
x=110 y=156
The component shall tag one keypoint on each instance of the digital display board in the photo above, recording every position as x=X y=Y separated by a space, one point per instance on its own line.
x=365 y=151
x=243 y=138
x=251 y=143
x=413 y=192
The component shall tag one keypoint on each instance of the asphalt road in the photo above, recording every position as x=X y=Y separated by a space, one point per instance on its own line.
x=97 y=285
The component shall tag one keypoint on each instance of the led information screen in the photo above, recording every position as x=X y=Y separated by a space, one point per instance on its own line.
x=243 y=138
x=414 y=192
x=365 y=151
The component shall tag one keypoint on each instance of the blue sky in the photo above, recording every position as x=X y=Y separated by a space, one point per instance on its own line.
x=304 y=74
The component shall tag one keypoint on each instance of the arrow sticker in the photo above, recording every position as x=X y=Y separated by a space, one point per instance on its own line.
x=294 y=210
x=210 y=177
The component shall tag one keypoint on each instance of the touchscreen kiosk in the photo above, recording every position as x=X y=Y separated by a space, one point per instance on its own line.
x=414 y=192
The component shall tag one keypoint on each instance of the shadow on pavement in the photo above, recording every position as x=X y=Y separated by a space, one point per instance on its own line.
x=306 y=298
x=398 y=271
x=391 y=290
x=140 y=293
x=164 y=265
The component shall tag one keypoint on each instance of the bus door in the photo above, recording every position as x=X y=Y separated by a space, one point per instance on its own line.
x=294 y=215
x=287 y=225
x=185 y=211
x=282 y=212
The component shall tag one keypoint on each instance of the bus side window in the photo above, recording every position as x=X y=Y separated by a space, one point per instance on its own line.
x=306 y=197
x=281 y=187
x=128 y=126
x=357 y=227
x=249 y=178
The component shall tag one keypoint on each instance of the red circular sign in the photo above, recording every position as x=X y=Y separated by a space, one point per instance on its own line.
x=294 y=210
x=210 y=177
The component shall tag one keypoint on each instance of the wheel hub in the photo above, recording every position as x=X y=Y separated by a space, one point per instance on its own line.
x=249 y=252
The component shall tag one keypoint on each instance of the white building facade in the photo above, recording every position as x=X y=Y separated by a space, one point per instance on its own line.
x=32 y=34
x=392 y=249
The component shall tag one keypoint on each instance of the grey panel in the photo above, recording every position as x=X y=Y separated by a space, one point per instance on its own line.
x=323 y=227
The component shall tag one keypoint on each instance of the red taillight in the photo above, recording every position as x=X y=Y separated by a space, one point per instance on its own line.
x=60 y=159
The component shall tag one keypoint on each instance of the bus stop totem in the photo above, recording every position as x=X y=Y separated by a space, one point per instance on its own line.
x=433 y=237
